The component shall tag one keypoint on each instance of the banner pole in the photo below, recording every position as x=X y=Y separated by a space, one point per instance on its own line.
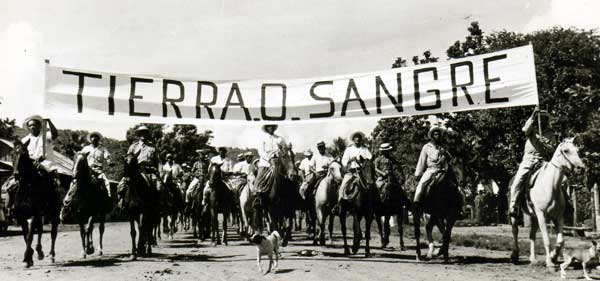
x=44 y=125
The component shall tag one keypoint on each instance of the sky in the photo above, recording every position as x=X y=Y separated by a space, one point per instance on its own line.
x=231 y=40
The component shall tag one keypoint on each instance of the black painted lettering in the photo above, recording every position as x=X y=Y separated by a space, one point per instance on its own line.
x=463 y=86
x=166 y=100
x=263 y=97
x=352 y=88
x=315 y=97
x=488 y=80
x=81 y=76
x=111 y=95
x=418 y=105
x=132 y=96
x=379 y=85
x=235 y=89
x=206 y=105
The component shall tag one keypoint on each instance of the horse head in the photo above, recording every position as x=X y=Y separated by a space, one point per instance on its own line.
x=567 y=156
x=23 y=166
x=286 y=161
x=131 y=165
x=81 y=169
x=214 y=173
x=335 y=171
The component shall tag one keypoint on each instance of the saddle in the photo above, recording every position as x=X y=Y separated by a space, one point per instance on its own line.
x=351 y=185
x=536 y=172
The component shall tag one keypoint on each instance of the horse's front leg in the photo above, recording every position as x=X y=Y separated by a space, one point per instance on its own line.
x=357 y=234
x=417 y=228
x=368 y=222
x=559 y=223
x=53 y=235
x=544 y=229
x=83 y=239
x=101 y=232
x=400 y=221
x=532 y=233
x=429 y=230
x=132 y=233
x=514 y=256
x=38 y=247
x=225 y=228
x=386 y=231
x=344 y=236
x=28 y=230
x=380 y=229
x=89 y=236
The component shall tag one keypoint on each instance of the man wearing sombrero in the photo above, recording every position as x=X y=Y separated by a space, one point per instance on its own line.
x=199 y=171
x=35 y=143
x=268 y=149
x=97 y=157
x=432 y=164
x=306 y=171
x=320 y=163
x=538 y=148
x=387 y=168
x=147 y=156
x=353 y=160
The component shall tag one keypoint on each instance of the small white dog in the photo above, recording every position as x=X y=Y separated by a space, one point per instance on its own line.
x=269 y=246
x=582 y=255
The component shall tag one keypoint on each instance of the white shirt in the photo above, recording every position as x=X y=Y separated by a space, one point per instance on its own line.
x=321 y=162
x=269 y=146
x=240 y=167
x=96 y=156
x=35 y=146
x=353 y=151
x=224 y=162
x=305 y=166
x=175 y=169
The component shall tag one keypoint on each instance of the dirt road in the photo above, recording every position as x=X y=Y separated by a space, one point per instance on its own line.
x=184 y=259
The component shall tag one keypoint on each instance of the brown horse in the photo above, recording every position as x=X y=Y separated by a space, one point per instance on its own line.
x=221 y=200
x=325 y=198
x=546 y=201
x=277 y=200
x=172 y=204
x=90 y=203
x=390 y=200
x=358 y=200
x=139 y=200
x=443 y=203
x=34 y=198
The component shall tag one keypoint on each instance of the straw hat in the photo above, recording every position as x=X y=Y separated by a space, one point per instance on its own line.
x=308 y=152
x=361 y=134
x=34 y=118
x=142 y=130
x=90 y=135
x=249 y=153
x=434 y=129
x=385 y=147
x=321 y=143
x=264 y=127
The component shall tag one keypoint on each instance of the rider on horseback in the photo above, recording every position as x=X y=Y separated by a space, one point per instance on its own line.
x=199 y=171
x=319 y=163
x=432 y=165
x=353 y=160
x=538 y=148
x=387 y=169
x=147 y=157
x=224 y=163
x=267 y=152
x=97 y=157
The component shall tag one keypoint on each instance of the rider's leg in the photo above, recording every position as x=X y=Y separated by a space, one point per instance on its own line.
x=517 y=187
x=421 y=189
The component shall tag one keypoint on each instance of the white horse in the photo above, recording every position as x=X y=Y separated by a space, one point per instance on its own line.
x=325 y=198
x=546 y=201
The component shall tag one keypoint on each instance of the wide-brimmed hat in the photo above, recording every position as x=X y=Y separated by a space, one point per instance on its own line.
x=362 y=135
x=142 y=129
x=385 y=146
x=222 y=148
x=249 y=153
x=308 y=152
x=264 y=127
x=34 y=118
x=169 y=155
x=90 y=135
x=200 y=151
x=240 y=156
x=321 y=143
x=433 y=129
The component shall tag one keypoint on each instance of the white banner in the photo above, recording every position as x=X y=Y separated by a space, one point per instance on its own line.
x=494 y=80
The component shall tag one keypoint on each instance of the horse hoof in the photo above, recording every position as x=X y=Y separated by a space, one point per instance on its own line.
x=90 y=250
x=40 y=255
x=346 y=252
x=52 y=259
x=100 y=253
x=28 y=264
x=514 y=258
x=132 y=257
x=402 y=248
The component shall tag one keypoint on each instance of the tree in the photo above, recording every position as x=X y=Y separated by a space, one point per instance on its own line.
x=7 y=128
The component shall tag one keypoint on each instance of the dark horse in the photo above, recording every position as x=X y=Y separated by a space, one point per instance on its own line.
x=390 y=200
x=278 y=199
x=90 y=203
x=443 y=203
x=358 y=200
x=35 y=197
x=139 y=197
x=172 y=204
x=221 y=200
